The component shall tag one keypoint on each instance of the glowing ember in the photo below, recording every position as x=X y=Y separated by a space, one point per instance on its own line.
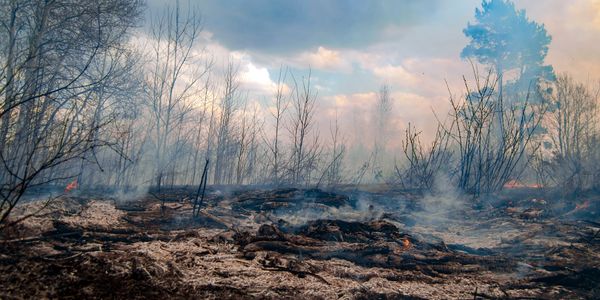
x=406 y=243
x=71 y=186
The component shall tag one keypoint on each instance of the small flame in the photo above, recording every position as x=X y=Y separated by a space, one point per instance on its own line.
x=71 y=186
x=406 y=244
x=583 y=205
x=514 y=184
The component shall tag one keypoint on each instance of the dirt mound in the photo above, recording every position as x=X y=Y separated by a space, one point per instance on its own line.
x=288 y=200
x=352 y=231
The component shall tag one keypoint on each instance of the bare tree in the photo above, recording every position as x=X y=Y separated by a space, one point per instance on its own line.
x=257 y=163
x=225 y=131
x=247 y=145
x=208 y=102
x=175 y=74
x=305 y=139
x=51 y=89
x=281 y=104
x=118 y=98
x=574 y=135
x=243 y=145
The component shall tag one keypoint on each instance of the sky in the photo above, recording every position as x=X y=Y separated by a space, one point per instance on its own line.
x=353 y=47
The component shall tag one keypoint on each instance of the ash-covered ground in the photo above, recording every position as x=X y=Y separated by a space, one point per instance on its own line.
x=374 y=243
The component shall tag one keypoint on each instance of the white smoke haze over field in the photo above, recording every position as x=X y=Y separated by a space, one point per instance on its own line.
x=365 y=210
x=280 y=94
x=443 y=204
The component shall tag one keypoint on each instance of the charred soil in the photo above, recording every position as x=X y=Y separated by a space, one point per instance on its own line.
x=308 y=244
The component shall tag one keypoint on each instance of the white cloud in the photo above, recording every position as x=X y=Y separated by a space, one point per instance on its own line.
x=256 y=79
x=396 y=74
x=324 y=59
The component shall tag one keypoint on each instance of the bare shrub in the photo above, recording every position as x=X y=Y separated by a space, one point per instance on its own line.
x=492 y=136
x=481 y=147
x=423 y=164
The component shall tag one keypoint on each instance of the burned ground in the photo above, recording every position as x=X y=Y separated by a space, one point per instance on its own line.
x=293 y=243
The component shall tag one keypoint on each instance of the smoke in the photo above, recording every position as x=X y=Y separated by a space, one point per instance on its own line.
x=124 y=195
x=366 y=209
x=438 y=207
x=442 y=203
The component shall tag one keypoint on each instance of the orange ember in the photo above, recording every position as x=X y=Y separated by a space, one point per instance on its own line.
x=71 y=186
x=405 y=243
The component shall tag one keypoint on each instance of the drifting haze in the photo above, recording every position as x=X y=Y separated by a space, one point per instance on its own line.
x=353 y=47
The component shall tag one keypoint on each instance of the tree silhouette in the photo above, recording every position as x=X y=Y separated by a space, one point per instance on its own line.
x=504 y=38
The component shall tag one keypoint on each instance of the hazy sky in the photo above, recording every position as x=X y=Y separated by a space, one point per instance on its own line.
x=353 y=47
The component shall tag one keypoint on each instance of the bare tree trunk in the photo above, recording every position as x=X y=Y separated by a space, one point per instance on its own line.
x=305 y=151
x=281 y=105
x=224 y=144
